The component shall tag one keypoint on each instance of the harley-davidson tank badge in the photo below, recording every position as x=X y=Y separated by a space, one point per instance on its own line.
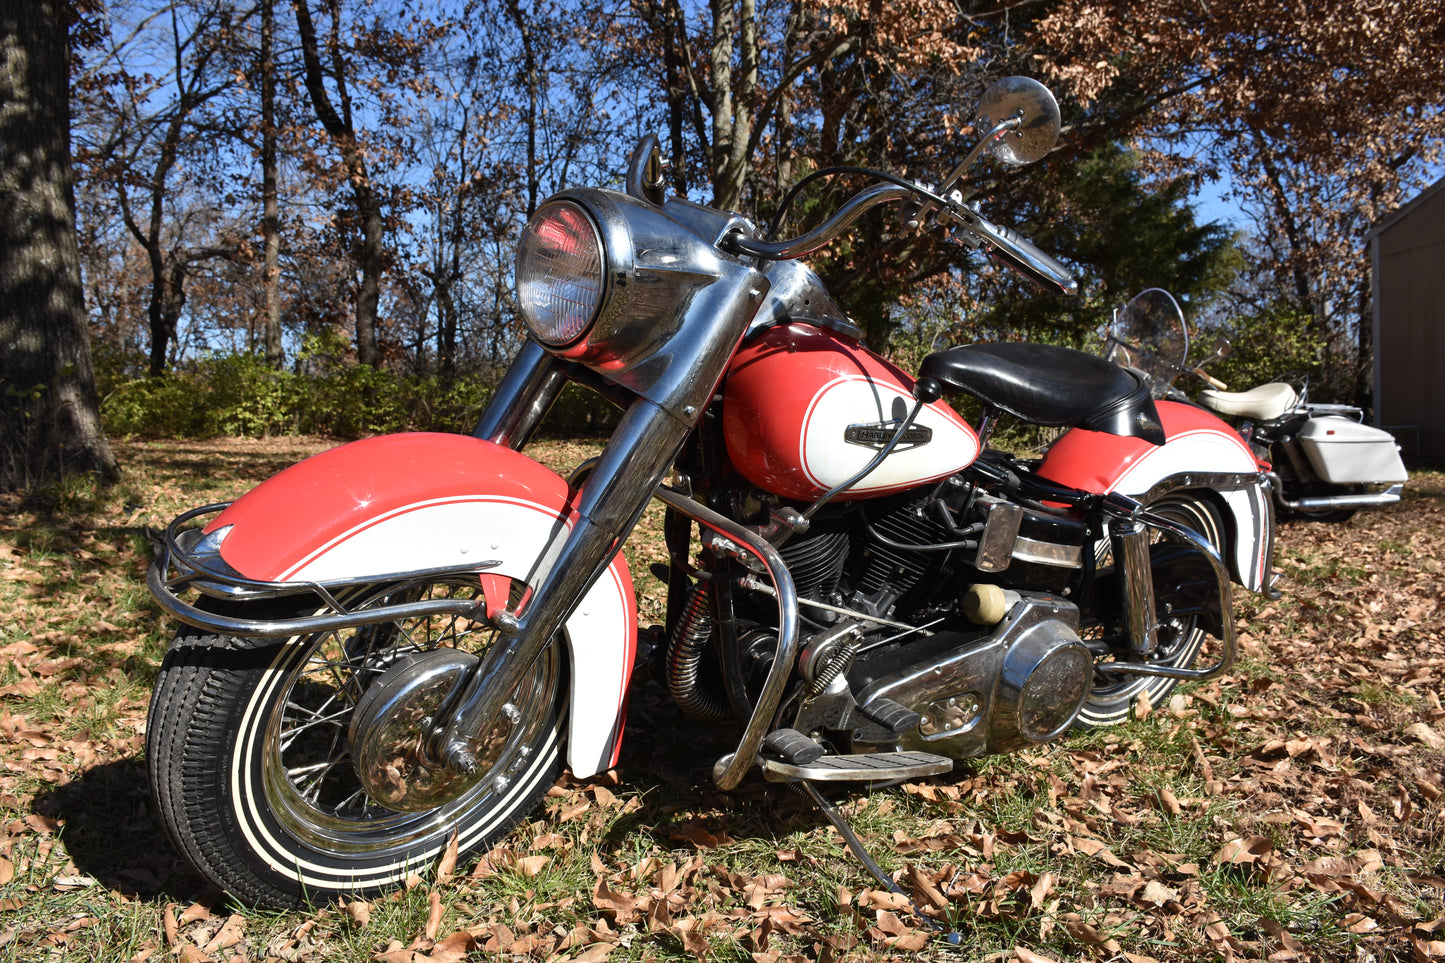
x=878 y=434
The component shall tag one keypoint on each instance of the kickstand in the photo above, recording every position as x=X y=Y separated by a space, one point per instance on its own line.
x=855 y=844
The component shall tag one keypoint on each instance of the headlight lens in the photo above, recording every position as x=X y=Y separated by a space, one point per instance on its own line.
x=559 y=273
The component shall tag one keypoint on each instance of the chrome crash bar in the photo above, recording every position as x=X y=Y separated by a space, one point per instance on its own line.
x=178 y=568
x=728 y=771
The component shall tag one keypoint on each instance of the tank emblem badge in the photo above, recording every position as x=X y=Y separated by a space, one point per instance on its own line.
x=879 y=434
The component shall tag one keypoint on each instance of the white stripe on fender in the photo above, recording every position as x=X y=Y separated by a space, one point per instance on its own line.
x=1204 y=451
x=433 y=533
x=515 y=533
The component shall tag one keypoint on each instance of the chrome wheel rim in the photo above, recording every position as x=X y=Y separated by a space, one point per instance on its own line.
x=1179 y=637
x=307 y=777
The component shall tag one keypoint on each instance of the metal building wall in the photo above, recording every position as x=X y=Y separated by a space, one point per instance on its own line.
x=1407 y=254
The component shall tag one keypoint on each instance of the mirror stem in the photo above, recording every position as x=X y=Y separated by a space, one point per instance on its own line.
x=916 y=217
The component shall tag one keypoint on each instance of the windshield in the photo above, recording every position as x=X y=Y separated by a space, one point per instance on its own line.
x=1149 y=335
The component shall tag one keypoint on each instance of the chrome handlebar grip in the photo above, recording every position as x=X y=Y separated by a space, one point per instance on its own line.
x=1015 y=252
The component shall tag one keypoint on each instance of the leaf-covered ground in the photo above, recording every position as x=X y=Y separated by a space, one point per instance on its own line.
x=1291 y=811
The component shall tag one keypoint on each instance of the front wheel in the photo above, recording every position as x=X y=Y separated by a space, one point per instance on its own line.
x=1179 y=637
x=253 y=768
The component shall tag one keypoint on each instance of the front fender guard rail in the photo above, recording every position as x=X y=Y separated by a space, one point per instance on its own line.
x=195 y=571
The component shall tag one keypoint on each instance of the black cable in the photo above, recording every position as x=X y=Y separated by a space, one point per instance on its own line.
x=792 y=194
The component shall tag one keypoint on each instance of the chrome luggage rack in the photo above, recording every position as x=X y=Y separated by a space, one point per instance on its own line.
x=188 y=560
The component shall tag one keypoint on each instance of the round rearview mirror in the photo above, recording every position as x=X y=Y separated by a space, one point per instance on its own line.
x=1035 y=114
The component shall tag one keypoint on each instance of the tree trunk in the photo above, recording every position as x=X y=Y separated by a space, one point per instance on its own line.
x=368 y=204
x=529 y=76
x=733 y=30
x=49 y=414
x=270 y=203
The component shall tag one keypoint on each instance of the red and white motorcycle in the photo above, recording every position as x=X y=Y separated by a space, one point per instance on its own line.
x=406 y=637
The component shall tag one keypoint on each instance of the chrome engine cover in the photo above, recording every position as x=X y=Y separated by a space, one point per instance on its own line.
x=1022 y=684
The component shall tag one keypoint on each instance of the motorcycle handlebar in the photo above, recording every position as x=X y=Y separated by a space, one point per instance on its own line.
x=1016 y=252
x=806 y=244
x=1209 y=379
x=999 y=243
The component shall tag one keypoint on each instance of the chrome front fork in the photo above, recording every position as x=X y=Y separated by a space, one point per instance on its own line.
x=637 y=456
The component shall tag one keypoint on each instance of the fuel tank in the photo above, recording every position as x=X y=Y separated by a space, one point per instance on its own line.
x=805 y=409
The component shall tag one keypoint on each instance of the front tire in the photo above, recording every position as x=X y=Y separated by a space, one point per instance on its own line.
x=249 y=755
x=1180 y=638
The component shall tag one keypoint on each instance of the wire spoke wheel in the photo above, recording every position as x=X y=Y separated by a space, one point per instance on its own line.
x=253 y=751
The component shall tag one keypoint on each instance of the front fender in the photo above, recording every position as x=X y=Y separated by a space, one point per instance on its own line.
x=410 y=502
x=1200 y=451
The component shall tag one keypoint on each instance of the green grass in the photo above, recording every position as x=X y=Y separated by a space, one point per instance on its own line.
x=1104 y=844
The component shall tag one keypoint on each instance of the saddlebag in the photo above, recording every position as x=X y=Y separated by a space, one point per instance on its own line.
x=1345 y=452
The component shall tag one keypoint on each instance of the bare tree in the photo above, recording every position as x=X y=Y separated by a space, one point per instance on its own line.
x=340 y=126
x=49 y=415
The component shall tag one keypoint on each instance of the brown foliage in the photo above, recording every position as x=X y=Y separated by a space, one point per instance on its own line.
x=1301 y=793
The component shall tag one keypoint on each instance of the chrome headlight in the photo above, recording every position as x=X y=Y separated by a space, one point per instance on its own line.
x=560 y=274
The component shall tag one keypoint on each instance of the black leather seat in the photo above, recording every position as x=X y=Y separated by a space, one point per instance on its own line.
x=1048 y=385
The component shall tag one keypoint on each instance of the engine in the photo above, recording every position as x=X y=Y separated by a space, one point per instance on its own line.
x=1005 y=668
x=1022 y=681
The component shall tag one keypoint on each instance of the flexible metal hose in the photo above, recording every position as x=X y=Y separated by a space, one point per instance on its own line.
x=684 y=655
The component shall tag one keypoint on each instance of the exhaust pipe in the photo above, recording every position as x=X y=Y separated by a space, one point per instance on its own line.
x=1389 y=496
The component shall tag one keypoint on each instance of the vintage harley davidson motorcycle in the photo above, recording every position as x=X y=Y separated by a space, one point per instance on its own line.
x=1327 y=464
x=405 y=638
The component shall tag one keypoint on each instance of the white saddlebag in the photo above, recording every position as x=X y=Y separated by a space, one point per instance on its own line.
x=1345 y=452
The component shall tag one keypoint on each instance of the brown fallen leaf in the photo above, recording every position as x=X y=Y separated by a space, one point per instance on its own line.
x=1040 y=890
x=1244 y=851
x=622 y=906
x=924 y=888
x=594 y=954
x=358 y=913
x=892 y=932
x=1022 y=954
x=1143 y=708
x=229 y=934
x=448 y=862
x=530 y=866
x=434 y=914
x=1087 y=933
x=453 y=949
x=395 y=953
x=1424 y=735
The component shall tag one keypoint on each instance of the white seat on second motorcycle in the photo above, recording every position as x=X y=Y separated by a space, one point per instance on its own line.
x=1265 y=403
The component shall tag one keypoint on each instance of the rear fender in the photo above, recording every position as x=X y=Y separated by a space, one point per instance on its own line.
x=410 y=502
x=1200 y=451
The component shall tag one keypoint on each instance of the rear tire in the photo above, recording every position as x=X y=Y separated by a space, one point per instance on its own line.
x=248 y=747
x=1180 y=639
